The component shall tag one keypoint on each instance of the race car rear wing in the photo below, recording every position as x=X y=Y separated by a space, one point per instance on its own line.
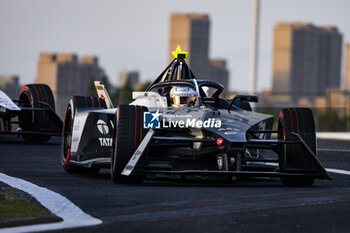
x=103 y=93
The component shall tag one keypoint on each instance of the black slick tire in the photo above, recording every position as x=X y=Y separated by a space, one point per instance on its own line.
x=300 y=121
x=31 y=96
x=67 y=130
x=128 y=135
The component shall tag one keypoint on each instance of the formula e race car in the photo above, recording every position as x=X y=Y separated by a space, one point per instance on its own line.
x=33 y=116
x=181 y=126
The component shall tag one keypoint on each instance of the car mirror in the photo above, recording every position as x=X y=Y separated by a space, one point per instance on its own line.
x=248 y=98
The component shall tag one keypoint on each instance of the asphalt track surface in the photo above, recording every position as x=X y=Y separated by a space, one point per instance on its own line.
x=257 y=205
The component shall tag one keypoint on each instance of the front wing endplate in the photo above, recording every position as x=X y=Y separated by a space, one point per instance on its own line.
x=138 y=153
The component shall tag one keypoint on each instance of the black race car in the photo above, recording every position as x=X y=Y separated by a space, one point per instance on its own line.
x=32 y=115
x=181 y=126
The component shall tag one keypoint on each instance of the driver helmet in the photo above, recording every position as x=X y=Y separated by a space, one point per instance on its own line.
x=182 y=96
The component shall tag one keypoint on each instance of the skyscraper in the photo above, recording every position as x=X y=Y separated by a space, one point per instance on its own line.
x=347 y=67
x=191 y=32
x=10 y=85
x=128 y=76
x=67 y=76
x=307 y=60
x=219 y=71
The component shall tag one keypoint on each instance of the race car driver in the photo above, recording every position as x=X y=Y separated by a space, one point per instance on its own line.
x=182 y=96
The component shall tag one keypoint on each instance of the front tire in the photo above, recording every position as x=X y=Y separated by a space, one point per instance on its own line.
x=67 y=139
x=300 y=121
x=128 y=135
x=31 y=96
x=67 y=130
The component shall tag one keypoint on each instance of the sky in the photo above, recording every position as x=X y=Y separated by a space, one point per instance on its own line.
x=134 y=35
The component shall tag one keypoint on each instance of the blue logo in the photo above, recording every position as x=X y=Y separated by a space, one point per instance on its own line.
x=151 y=120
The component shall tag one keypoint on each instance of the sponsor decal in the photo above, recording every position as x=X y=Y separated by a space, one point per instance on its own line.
x=194 y=123
x=138 y=152
x=105 y=141
x=102 y=127
x=77 y=125
x=228 y=129
x=262 y=126
x=128 y=167
x=220 y=162
x=152 y=120
x=219 y=141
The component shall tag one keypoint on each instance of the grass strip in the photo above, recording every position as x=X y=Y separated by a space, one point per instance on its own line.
x=12 y=206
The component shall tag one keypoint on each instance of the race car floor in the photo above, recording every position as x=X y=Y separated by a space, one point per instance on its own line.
x=163 y=205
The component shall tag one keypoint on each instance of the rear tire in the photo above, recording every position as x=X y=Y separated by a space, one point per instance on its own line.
x=30 y=96
x=129 y=133
x=300 y=121
x=67 y=130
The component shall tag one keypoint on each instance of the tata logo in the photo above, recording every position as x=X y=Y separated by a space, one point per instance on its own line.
x=151 y=120
x=102 y=127
x=106 y=141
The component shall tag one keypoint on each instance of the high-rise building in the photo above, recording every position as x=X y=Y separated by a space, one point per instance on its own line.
x=10 y=85
x=128 y=76
x=67 y=76
x=191 y=32
x=307 y=60
x=347 y=67
x=219 y=72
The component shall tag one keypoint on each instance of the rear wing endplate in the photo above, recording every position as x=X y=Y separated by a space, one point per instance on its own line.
x=103 y=94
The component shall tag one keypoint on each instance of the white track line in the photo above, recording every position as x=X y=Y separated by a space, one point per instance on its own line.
x=333 y=135
x=60 y=206
x=344 y=172
x=339 y=171
x=333 y=150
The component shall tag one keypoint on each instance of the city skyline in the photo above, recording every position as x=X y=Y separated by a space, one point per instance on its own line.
x=100 y=29
x=307 y=60
x=67 y=75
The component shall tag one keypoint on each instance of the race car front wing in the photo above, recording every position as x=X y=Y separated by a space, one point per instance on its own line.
x=267 y=167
